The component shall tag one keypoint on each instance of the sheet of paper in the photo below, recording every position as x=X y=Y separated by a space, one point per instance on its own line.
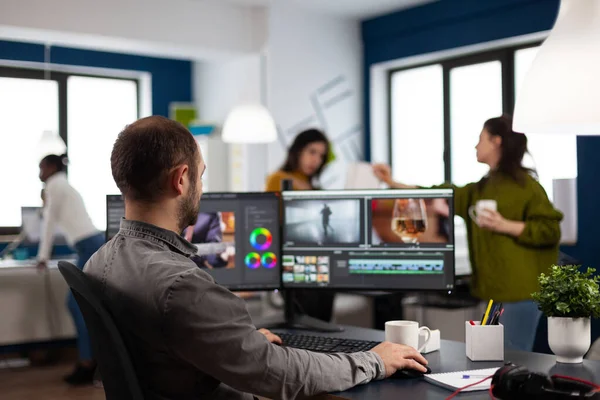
x=360 y=176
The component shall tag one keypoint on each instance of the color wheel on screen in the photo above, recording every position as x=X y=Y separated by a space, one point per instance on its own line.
x=269 y=260
x=261 y=239
x=253 y=260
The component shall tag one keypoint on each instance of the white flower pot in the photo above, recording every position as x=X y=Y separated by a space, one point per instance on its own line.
x=569 y=338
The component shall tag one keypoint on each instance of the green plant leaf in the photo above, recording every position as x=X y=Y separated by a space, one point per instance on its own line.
x=568 y=292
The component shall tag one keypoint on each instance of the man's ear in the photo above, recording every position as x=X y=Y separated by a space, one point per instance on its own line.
x=179 y=178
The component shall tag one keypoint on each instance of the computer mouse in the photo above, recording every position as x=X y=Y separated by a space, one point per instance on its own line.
x=409 y=373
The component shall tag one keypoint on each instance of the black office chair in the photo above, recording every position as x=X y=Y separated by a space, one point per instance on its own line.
x=116 y=368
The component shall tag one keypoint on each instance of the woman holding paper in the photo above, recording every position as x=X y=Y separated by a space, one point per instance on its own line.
x=513 y=229
x=305 y=161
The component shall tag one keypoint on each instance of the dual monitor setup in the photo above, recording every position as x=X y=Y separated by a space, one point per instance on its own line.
x=347 y=240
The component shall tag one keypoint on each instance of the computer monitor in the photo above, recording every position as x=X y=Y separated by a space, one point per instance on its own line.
x=32 y=226
x=368 y=239
x=237 y=235
x=115 y=211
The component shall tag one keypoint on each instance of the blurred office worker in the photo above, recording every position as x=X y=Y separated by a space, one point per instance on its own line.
x=64 y=207
x=305 y=161
x=512 y=227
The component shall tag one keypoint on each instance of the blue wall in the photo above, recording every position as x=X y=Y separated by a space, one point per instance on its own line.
x=171 y=79
x=449 y=24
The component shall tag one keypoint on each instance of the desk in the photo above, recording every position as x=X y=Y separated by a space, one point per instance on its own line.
x=32 y=304
x=451 y=358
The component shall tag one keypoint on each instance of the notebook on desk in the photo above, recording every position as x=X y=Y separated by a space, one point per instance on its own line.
x=456 y=380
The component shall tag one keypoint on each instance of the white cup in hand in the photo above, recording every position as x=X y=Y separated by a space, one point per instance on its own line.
x=482 y=206
x=407 y=333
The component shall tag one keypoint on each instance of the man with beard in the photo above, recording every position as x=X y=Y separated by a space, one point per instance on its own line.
x=189 y=337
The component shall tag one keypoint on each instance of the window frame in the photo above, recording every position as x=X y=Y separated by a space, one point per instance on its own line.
x=505 y=56
x=61 y=77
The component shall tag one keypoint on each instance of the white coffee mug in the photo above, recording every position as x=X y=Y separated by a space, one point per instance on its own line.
x=481 y=206
x=407 y=333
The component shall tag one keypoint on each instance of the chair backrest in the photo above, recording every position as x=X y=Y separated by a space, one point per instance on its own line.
x=116 y=368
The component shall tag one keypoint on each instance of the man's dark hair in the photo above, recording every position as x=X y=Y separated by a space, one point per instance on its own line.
x=58 y=162
x=146 y=151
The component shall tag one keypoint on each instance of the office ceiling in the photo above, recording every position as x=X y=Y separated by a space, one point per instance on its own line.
x=347 y=8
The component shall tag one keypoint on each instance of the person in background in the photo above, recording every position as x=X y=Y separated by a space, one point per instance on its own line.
x=306 y=159
x=510 y=247
x=208 y=230
x=64 y=207
x=190 y=337
x=325 y=215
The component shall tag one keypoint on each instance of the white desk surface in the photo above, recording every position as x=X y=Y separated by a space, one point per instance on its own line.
x=31 y=263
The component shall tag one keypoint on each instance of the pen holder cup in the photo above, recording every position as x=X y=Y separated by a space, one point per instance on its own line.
x=484 y=343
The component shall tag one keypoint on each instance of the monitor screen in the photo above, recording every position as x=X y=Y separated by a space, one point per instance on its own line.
x=33 y=227
x=115 y=211
x=369 y=239
x=237 y=235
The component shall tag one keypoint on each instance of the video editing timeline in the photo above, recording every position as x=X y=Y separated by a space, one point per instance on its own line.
x=237 y=235
x=369 y=239
x=366 y=266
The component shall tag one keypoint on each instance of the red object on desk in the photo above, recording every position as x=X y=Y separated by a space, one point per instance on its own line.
x=472 y=323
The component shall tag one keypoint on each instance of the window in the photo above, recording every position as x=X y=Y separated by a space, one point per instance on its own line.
x=545 y=149
x=27 y=108
x=417 y=124
x=437 y=112
x=456 y=96
x=475 y=95
x=99 y=109
x=87 y=111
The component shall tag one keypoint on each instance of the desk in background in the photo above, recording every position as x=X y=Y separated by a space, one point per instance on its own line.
x=29 y=311
x=452 y=358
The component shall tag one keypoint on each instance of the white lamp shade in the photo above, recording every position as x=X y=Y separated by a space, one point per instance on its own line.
x=250 y=123
x=50 y=143
x=561 y=91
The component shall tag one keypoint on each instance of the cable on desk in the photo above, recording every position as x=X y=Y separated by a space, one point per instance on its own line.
x=492 y=392
x=453 y=395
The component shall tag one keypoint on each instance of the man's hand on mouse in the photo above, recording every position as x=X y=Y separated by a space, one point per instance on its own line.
x=398 y=356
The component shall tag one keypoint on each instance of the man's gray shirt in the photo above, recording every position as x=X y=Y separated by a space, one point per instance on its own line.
x=191 y=338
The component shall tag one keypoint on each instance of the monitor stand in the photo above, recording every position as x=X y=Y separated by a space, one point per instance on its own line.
x=295 y=320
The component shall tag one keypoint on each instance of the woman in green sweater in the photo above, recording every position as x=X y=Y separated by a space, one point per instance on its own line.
x=509 y=247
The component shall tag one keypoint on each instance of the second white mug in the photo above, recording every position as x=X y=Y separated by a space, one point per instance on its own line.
x=481 y=206
x=407 y=333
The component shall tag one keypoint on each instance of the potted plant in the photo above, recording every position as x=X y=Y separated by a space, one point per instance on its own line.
x=569 y=298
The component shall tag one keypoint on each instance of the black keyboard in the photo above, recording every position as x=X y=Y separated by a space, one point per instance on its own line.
x=322 y=344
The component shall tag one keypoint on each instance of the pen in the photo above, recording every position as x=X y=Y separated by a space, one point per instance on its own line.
x=487 y=312
x=472 y=323
x=492 y=313
x=475 y=376
x=499 y=315
x=496 y=318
